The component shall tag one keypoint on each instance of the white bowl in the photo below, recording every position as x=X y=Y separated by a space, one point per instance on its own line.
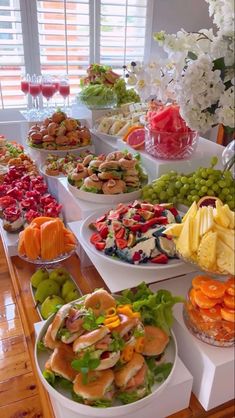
x=63 y=397
x=104 y=198
x=86 y=233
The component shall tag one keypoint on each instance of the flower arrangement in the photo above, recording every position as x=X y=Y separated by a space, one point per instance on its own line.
x=199 y=74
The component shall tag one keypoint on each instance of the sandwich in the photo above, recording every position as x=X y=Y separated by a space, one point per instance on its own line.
x=92 y=184
x=59 y=364
x=99 y=345
x=110 y=170
x=132 y=379
x=98 y=390
x=67 y=324
x=155 y=341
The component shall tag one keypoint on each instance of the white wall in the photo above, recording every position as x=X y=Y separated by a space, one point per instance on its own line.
x=172 y=15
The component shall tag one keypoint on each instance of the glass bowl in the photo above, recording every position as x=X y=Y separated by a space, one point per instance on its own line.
x=207 y=324
x=170 y=145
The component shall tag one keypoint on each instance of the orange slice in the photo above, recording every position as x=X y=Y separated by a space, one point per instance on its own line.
x=136 y=139
x=192 y=297
x=131 y=129
x=229 y=301
x=199 y=280
x=204 y=302
x=228 y=314
x=230 y=286
x=213 y=289
x=212 y=314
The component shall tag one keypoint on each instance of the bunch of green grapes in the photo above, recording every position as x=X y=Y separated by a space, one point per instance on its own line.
x=123 y=94
x=187 y=188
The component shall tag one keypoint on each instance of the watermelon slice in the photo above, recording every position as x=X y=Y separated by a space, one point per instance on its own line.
x=136 y=138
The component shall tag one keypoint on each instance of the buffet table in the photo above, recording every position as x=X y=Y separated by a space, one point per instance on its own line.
x=20 y=320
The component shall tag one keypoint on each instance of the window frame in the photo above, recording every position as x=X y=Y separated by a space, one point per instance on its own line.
x=30 y=35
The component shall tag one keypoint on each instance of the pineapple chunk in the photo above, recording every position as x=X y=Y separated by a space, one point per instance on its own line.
x=183 y=242
x=205 y=220
x=227 y=239
x=191 y=212
x=221 y=217
x=225 y=258
x=195 y=232
x=174 y=230
x=231 y=215
x=207 y=251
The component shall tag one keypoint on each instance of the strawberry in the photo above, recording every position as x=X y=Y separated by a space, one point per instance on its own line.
x=121 y=243
x=160 y=259
x=95 y=238
x=100 y=245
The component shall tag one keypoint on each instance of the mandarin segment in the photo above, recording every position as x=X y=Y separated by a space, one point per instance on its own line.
x=204 y=302
x=199 y=280
x=213 y=289
x=228 y=314
x=229 y=301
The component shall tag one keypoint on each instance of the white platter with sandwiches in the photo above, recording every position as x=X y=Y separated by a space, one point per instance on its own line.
x=104 y=198
x=119 y=378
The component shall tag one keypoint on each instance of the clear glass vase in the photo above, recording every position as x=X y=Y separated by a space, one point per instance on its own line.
x=228 y=157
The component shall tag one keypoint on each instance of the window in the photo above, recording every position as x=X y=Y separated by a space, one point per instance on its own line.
x=61 y=37
x=12 y=62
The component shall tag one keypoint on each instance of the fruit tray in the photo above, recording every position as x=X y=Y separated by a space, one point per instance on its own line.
x=62 y=289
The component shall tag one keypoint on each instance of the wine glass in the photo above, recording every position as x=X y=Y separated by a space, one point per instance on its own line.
x=35 y=90
x=48 y=90
x=64 y=89
x=24 y=86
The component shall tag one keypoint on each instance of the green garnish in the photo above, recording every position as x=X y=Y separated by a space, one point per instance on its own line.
x=102 y=403
x=63 y=332
x=91 y=322
x=159 y=371
x=64 y=383
x=85 y=364
x=117 y=344
x=138 y=333
x=49 y=376
x=41 y=346
x=76 y=397
x=128 y=397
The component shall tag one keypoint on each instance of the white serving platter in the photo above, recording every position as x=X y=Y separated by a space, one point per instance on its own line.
x=60 y=152
x=63 y=396
x=104 y=198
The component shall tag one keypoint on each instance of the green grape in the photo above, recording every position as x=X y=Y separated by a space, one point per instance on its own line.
x=171 y=192
x=214 y=161
x=193 y=192
x=204 y=189
x=201 y=193
x=185 y=187
x=202 y=182
x=198 y=180
x=195 y=198
x=229 y=197
x=226 y=191
x=184 y=180
x=191 y=180
x=163 y=195
x=231 y=204
x=178 y=184
x=209 y=182
x=210 y=192
x=204 y=174
x=222 y=184
x=215 y=187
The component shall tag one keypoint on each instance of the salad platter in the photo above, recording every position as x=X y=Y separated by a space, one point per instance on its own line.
x=119 y=350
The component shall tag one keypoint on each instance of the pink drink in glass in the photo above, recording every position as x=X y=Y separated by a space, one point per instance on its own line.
x=57 y=85
x=64 y=90
x=48 y=90
x=34 y=89
x=24 y=85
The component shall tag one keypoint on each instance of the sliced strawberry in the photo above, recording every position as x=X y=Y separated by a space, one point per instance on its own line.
x=121 y=243
x=174 y=211
x=120 y=233
x=100 y=245
x=160 y=259
x=101 y=218
x=96 y=237
x=104 y=231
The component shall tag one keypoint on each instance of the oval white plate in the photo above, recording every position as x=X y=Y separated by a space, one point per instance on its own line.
x=104 y=198
x=64 y=397
x=86 y=233
x=60 y=152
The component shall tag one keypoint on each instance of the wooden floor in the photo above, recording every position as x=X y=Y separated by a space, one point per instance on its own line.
x=21 y=395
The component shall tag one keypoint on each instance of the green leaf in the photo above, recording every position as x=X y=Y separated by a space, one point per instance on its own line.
x=64 y=383
x=94 y=363
x=192 y=56
x=128 y=397
x=102 y=403
x=49 y=376
x=41 y=346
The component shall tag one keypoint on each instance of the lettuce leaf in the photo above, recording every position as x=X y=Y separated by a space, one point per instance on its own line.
x=128 y=397
x=159 y=371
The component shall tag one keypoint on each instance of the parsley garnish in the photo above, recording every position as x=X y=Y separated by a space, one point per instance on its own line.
x=91 y=322
x=85 y=364
x=117 y=344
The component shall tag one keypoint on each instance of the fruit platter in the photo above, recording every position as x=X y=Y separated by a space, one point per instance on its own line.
x=59 y=132
x=206 y=237
x=59 y=166
x=132 y=235
x=116 y=177
x=108 y=351
x=185 y=189
x=52 y=288
x=209 y=312
x=117 y=124
x=46 y=241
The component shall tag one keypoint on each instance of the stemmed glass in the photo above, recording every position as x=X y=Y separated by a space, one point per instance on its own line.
x=35 y=90
x=64 y=89
x=24 y=85
x=48 y=90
